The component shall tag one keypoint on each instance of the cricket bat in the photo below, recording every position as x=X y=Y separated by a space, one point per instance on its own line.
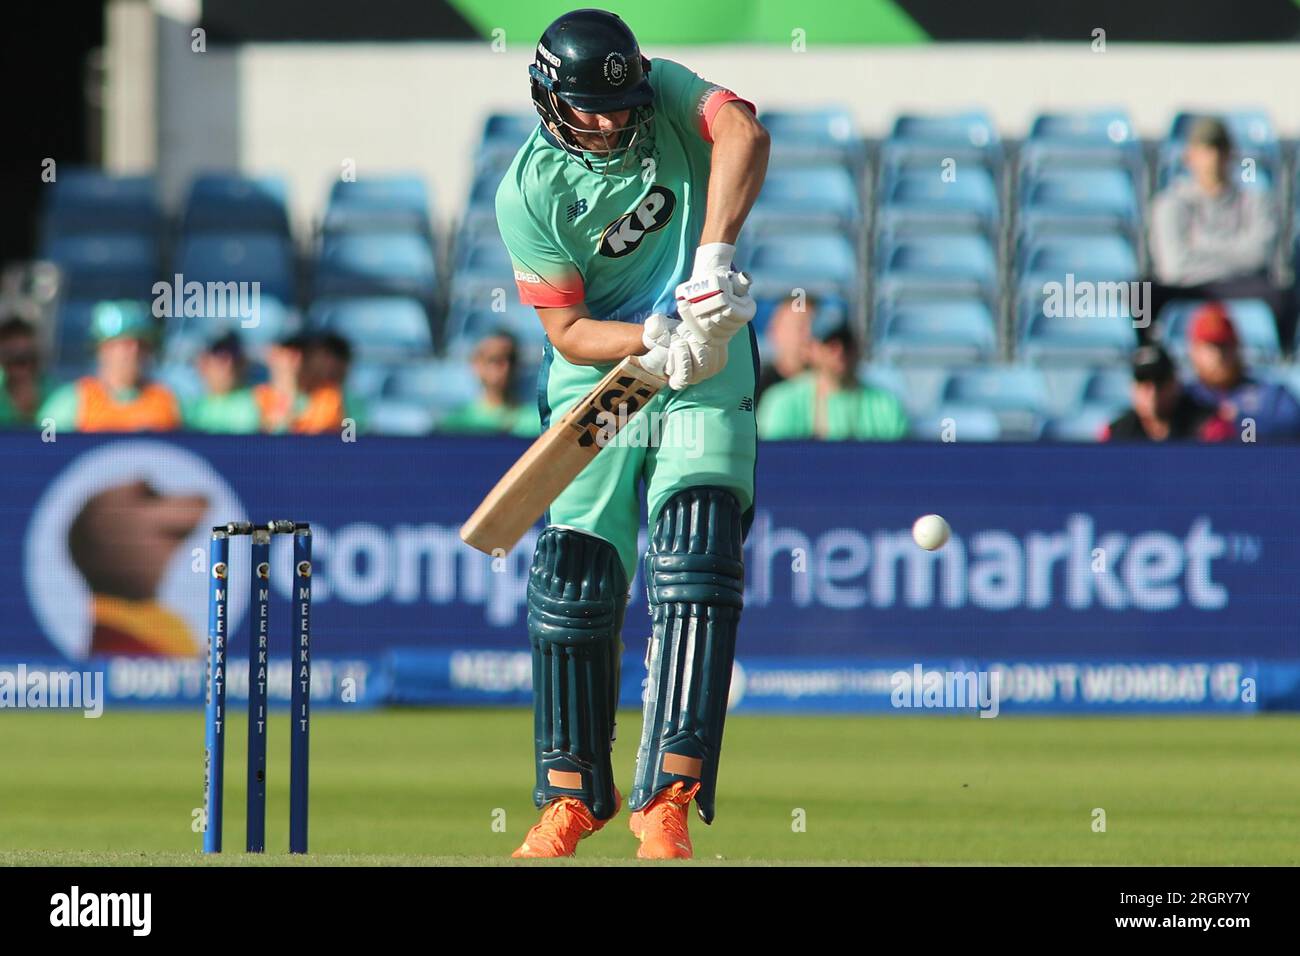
x=558 y=456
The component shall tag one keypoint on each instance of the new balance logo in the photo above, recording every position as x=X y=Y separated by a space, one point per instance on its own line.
x=746 y=404
x=575 y=210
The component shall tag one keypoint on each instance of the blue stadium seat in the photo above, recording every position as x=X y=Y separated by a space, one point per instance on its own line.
x=1256 y=328
x=409 y=419
x=381 y=328
x=1111 y=387
x=103 y=266
x=234 y=203
x=970 y=200
x=1016 y=393
x=441 y=384
x=1092 y=256
x=468 y=322
x=503 y=134
x=948 y=331
x=264 y=258
x=813 y=196
x=376 y=264
x=483 y=191
x=813 y=136
x=957 y=422
x=482 y=267
x=1106 y=195
x=1078 y=340
x=270 y=321
x=90 y=201
x=958 y=261
x=971 y=128
x=1084 y=127
x=368 y=380
x=1085 y=425
x=183 y=379
x=393 y=203
x=823 y=263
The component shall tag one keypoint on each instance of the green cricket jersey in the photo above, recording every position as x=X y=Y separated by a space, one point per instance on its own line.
x=789 y=410
x=622 y=239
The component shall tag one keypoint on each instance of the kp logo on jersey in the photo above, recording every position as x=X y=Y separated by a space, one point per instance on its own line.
x=625 y=233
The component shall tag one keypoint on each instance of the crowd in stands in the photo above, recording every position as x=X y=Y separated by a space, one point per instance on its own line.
x=903 y=286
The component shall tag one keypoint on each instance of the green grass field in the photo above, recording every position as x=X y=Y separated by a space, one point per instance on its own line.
x=452 y=787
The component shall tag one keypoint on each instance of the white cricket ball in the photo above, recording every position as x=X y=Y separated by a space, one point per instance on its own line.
x=931 y=532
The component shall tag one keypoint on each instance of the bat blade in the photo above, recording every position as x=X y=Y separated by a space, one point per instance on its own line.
x=558 y=456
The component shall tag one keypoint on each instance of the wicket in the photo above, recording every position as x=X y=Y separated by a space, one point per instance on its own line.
x=259 y=642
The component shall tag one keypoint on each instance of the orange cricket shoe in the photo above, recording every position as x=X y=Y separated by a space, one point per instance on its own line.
x=661 y=825
x=564 y=822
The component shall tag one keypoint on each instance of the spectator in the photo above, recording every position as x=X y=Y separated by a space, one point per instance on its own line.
x=324 y=373
x=789 y=336
x=23 y=387
x=1162 y=409
x=118 y=397
x=1223 y=382
x=298 y=398
x=828 y=401
x=496 y=365
x=228 y=406
x=1210 y=237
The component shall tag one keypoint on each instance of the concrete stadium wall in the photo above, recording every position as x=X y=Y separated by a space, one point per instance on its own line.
x=304 y=109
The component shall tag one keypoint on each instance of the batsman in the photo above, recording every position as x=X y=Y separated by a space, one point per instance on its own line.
x=621 y=214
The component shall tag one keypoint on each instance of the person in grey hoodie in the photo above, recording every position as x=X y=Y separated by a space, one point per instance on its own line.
x=1213 y=237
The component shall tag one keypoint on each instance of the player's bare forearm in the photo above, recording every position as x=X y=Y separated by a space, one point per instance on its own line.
x=583 y=340
x=736 y=172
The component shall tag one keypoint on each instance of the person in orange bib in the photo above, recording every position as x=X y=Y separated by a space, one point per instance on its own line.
x=293 y=401
x=118 y=397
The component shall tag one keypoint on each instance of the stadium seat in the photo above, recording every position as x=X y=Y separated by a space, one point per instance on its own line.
x=383 y=328
x=1100 y=194
x=237 y=204
x=1084 y=127
x=810 y=197
x=410 y=419
x=467 y=323
x=930 y=143
x=956 y=422
x=262 y=258
x=948 y=331
x=483 y=190
x=1093 y=256
x=90 y=201
x=104 y=266
x=396 y=203
x=368 y=380
x=376 y=264
x=1085 y=425
x=814 y=136
x=1017 y=394
x=1253 y=319
x=970 y=200
x=483 y=266
x=1111 y=387
x=958 y=261
x=1078 y=340
x=503 y=134
x=441 y=384
x=823 y=263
